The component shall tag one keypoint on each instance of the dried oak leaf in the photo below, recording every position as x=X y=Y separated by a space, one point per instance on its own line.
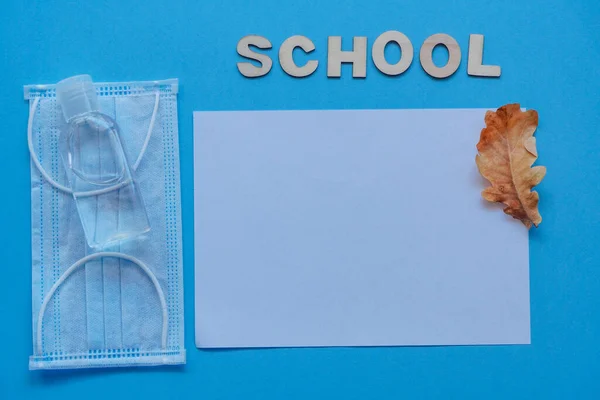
x=506 y=153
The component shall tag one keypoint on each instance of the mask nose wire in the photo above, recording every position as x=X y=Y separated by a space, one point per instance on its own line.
x=84 y=260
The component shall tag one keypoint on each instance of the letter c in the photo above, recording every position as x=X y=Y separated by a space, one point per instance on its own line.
x=286 y=58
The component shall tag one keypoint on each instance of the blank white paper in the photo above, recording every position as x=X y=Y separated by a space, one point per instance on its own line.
x=351 y=228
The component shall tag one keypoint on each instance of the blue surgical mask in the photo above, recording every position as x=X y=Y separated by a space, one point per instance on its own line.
x=120 y=305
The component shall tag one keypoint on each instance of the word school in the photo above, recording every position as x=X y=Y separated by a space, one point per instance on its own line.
x=358 y=56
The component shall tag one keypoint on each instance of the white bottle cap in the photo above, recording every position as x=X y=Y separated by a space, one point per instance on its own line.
x=76 y=96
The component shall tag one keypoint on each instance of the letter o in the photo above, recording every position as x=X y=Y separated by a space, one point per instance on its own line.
x=406 y=53
x=453 y=55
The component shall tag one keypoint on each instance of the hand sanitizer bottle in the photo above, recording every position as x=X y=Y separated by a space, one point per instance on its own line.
x=106 y=195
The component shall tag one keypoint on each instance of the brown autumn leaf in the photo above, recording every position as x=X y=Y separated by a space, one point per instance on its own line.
x=506 y=153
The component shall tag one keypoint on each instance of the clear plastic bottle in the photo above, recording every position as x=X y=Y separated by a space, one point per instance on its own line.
x=107 y=197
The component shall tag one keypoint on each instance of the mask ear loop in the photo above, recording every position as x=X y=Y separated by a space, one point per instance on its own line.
x=94 y=256
x=150 y=129
x=34 y=156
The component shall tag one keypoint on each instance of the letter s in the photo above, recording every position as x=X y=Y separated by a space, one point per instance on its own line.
x=247 y=69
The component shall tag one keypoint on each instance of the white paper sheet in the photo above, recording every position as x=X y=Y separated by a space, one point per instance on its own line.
x=351 y=228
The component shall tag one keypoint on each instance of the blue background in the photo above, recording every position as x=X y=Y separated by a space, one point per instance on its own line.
x=550 y=58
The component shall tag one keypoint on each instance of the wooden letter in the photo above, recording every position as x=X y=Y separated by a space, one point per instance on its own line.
x=286 y=58
x=406 y=53
x=358 y=57
x=243 y=48
x=475 y=65
x=453 y=53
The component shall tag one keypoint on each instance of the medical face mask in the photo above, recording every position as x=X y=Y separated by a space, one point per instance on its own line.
x=100 y=300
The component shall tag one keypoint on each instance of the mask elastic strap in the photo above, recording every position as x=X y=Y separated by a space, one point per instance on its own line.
x=92 y=257
x=50 y=180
